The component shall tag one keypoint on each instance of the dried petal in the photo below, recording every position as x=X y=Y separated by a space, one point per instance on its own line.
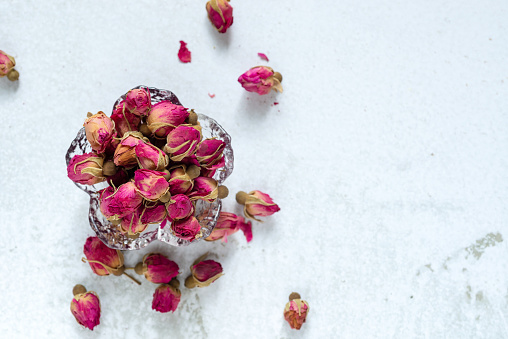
x=263 y=56
x=138 y=101
x=187 y=228
x=159 y=269
x=184 y=54
x=165 y=116
x=86 y=308
x=220 y=13
x=261 y=79
x=151 y=185
x=102 y=259
x=99 y=129
x=296 y=312
x=166 y=298
x=86 y=169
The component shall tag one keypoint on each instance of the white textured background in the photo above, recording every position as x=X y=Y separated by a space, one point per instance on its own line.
x=388 y=155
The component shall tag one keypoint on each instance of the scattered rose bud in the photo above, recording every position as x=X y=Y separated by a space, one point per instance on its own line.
x=263 y=56
x=166 y=297
x=157 y=268
x=181 y=142
x=165 y=116
x=7 y=64
x=180 y=207
x=125 y=200
x=203 y=273
x=125 y=153
x=86 y=308
x=204 y=188
x=153 y=214
x=151 y=185
x=256 y=203
x=186 y=229
x=124 y=120
x=102 y=259
x=138 y=101
x=209 y=153
x=229 y=223
x=100 y=130
x=184 y=54
x=220 y=14
x=86 y=169
x=261 y=79
x=296 y=311
x=180 y=182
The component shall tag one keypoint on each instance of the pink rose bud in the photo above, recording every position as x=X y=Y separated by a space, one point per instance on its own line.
x=138 y=101
x=165 y=116
x=151 y=185
x=181 y=142
x=124 y=120
x=296 y=311
x=180 y=207
x=125 y=200
x=220 y=14
x=86 y=169
x=131 y=223
x=157 y=268
x=105 y=198
x=100 y=130
x=227 y=224
x=150 y=157
x=183 y=53
x=203 y=273
x=256 y=203
x=166 y=297
x=102 y=259
x=204 y=188
x=125 y=153
x=86 y=308
x=153 y=214
x=7 y=64
x=209 y=153
x=186 y=229
x=261 y=79
x=179 y=182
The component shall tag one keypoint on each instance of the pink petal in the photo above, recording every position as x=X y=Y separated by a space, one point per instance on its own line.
x=263 y=56
x=184 y=54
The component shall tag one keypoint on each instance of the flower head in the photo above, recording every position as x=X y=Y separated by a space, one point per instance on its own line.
x=183 y=53
x=150 y=157
x=209 y=153
x=166 y=297
x=86 y=169
x=124 y=120
x=165 y=116
x=296 y=311
x=220 y=14
x=125 y=153
x=153 y=214
x=102 y=259
x=180 y=207
x=261 y=79
x=256 y=203
x=205 y=188
x=157 y=268
x=138 y=101
x=203 y=272
x=182 y=141
x=125 y=200
x=86 y=308
x=151 y=185
x=227 y=224
x=100 y=130
x=180 y=182
x=7 y=64
x=186 y=229
x=132 y=223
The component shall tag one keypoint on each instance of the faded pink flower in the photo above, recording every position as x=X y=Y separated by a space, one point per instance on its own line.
x=186 y=229
x=180 y=207
x=165 y=116
x=227 y=224
x=138 y=101
x=86 y=308
x=124 y=120
x=263 y=56
x=125 y=153
x=166 y=298
x=151 y=185
x=256 y=203
x=100 y=130
x=209 y=153
x=153 y=214
x=159 y=269
x=261 y=79
x=203 y=273
x=86 y=169
x=102 y=259
x=7 y=64
x=204 y=188
x=150 y=157
x=181 y=142
x=179 y=181
x=183 y=53
x=296 y=312
x=125 y=200
x=220 y=13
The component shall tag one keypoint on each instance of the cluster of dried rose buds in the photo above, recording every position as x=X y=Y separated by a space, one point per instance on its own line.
x=7 y=64
x=155 y=161
x=296 y=311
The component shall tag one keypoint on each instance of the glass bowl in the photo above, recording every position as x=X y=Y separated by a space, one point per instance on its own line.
x=207 y=213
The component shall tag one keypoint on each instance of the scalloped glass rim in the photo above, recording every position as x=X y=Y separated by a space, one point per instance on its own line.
x=207 y=213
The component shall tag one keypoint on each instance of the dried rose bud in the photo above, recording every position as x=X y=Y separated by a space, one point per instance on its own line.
x=157 y=268
x=138 y=101
x=203 y=273
x=186 y=229
x=256 y=203
x=165 y=116
x=124 y=120
x=220 y=14
x=180 y=207
x=227 y=224
x=209 y=153
x=180 y=181
x=151 y=185
x=183 y=53
x=125 y=153
x=100 y=130
x=125 y=200
x=296 y=311
x=86 y=308
x=7 y=64
x=153 y=214
x=131 y=223
x=181 y=142
x=150 y=157
x=261 y=79
x=166 y=297
x=102 y=259
x=105 y=198
x=204 y=188
x=86 y=169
